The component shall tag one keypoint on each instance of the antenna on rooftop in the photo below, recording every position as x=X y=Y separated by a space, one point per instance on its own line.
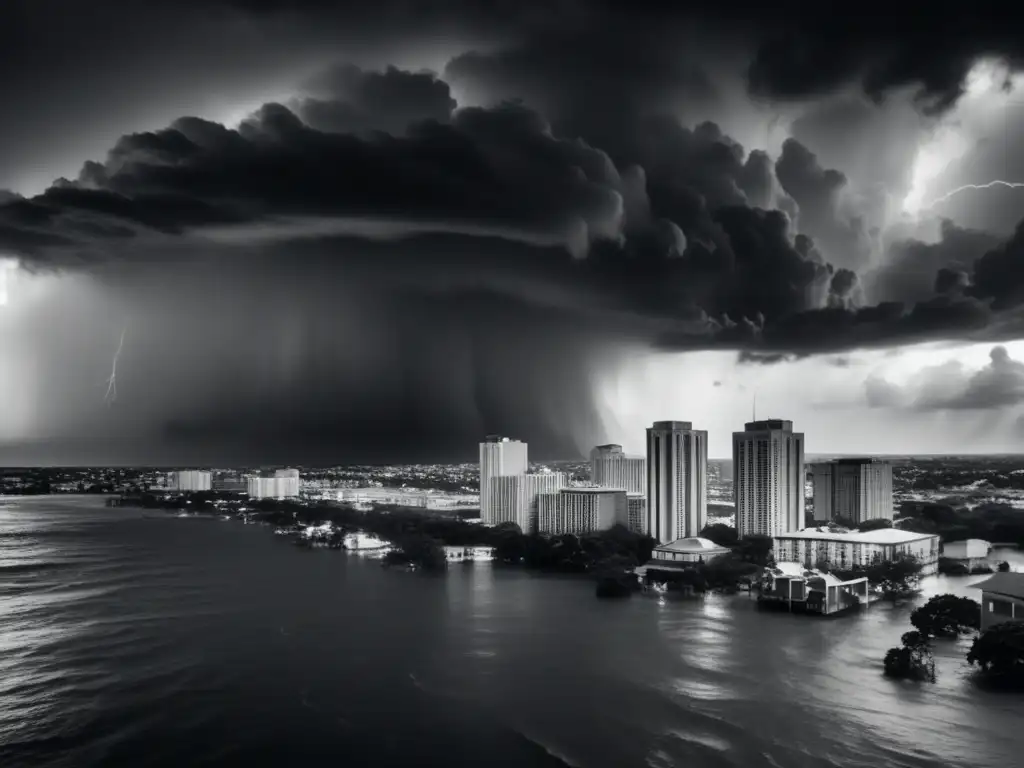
x=753 y=409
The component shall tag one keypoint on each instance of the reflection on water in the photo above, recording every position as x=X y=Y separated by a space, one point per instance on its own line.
x=131 y=641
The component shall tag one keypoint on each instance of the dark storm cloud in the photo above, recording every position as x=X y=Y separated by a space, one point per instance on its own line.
x=676 y=252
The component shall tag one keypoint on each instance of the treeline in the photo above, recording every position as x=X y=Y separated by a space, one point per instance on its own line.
x=990 y=522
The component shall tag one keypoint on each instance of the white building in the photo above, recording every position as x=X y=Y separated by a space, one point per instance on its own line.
x=690 y=550
x=514 y=498
x=581 y=510
x=968 y=549
x=499 y=456
x=861 y=548
x=677 y=480
x=611 y=468
x=768 y=478
x=283 y=485
x=190 y=480
x=854 y=489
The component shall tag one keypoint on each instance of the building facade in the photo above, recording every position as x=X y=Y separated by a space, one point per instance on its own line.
x=581 y=510
x=191 y=480
x=1002 y=599
x=853 y=489
x=499 y=457
x=677 y=480
x=859 y=549
x=686 y=551
x=514 y=498
x=768 y=478
x=283 y=485
x=636 y=512
x=611 y=468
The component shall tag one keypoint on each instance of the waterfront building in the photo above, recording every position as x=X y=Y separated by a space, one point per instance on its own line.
x=768 y=478
x=806 y=590
x=514 y=498
x=468 y=554
x=860 y=548
x=687 y=551
x=677 y=480
x=284 y=484
x=1002 y=598
x=499 y=457
x=967 y=551
x=636 y=512
x=581 y=510
x=852 y=489
x=611 y=468
x=191 y=480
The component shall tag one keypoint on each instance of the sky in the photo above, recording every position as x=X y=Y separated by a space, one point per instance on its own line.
x=251 y=231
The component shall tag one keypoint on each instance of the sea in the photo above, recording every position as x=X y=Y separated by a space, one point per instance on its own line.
x=133 y=638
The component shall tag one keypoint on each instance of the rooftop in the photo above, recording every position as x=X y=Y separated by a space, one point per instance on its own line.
x=881 y=536
x=1009 y=584
x=692 y=544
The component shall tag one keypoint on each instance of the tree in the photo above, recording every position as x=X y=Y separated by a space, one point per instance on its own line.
x=896 y=578
x=999 y=652
x=723 y=535
x=947 y=616
x=1004 y=567
x=913 y=660
x=875 y=524
x=615 y=577
x=755 y=548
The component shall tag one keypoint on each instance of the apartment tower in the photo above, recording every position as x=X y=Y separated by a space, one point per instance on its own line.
x=853 y=489
x=768 y=478
x=611 y=468
x=677 y=480
x=499 y=456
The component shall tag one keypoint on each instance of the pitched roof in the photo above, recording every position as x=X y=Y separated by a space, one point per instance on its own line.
x=1009 y=584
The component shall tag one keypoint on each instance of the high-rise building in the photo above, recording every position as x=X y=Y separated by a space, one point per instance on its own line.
x=853 y=489
x=768 y=478
x=581 y=510
x=191 y=480
x=499 y=456
x=514 y=498
x=677 y=480
x=611 y=468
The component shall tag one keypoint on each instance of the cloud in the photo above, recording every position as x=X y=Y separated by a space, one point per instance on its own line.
x=950 y=386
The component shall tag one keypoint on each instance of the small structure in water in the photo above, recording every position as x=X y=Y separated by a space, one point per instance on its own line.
x=792 y=587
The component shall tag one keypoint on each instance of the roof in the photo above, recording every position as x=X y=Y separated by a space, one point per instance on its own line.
x=812 y=576
x=881 y=536
x=1009 y=584
x=693 y=544
x=968 y=542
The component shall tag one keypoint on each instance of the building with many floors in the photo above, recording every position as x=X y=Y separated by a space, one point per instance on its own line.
x=856 y=549
x=853 y=489
x=499 y=457
x=610 y=467
x=582 y=509
x=768 y=478
x=677 y=480
x=191 y=480
x=636 y=512
x=514 y=498
x=284 y=484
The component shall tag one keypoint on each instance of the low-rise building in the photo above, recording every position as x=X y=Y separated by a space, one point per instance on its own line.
x=791 y=585
x=856 y=549
x=686 y=551
x=468 y=554
x=1002 y=599
x=967 y=550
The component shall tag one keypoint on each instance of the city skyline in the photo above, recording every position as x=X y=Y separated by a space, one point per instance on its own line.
x=317 y=236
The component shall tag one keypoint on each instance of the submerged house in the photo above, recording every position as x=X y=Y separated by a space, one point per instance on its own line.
x=796 y=588
x=1002 y=599
x=968 y=551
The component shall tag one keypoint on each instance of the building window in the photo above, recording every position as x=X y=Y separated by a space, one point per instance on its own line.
x=1000 y=607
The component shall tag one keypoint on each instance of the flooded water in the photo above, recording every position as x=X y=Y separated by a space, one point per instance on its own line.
x=129 y=638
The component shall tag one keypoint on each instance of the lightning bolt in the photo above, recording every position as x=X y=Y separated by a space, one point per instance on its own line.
x=111 y=397
x=965 y=187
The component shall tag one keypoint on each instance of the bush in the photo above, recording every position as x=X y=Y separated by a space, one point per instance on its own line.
x=912 y=660
x=999 y=653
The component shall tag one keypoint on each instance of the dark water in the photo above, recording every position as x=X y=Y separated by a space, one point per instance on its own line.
x=130 y=640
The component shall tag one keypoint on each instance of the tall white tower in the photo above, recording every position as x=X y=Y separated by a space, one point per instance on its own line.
x=611 y=468
x=768 y=478
x=499 y=456
x=677 y=480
